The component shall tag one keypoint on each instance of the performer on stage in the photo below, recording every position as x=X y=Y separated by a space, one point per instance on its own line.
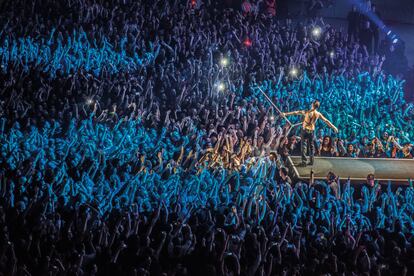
x=310 y=117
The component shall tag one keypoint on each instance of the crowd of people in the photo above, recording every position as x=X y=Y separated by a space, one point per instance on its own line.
x=365 y=25
x=72 y=55
x=135 y=139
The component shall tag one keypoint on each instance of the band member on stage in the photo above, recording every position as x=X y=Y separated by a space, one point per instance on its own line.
x=310 y=117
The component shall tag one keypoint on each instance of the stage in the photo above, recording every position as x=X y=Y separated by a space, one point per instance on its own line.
x=384 y=169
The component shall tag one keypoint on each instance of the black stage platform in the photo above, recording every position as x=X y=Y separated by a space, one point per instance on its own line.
x=396 y=170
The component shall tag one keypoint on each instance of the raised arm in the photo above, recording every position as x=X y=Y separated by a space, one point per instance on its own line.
x=328 y=122
x=299 y=112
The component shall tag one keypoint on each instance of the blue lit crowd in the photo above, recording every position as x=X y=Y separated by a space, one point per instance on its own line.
x=134 y=140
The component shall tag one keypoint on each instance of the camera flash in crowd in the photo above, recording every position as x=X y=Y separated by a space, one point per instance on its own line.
x=293 y=72
x=221 y=86
x=89 y=101
x=316 y=32
x=224 y=61
x=332 y=54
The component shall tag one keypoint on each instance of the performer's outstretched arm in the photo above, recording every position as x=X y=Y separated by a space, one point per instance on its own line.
x=328 y=123
x=299 y=112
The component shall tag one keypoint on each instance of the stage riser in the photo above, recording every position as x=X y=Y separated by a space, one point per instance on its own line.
x=395 y=170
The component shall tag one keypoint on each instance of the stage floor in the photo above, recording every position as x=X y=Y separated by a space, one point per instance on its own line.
x=357 y=169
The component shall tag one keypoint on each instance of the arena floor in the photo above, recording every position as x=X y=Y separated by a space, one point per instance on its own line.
x=396 y=170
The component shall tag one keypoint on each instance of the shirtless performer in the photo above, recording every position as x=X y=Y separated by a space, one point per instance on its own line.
x=308 y=127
